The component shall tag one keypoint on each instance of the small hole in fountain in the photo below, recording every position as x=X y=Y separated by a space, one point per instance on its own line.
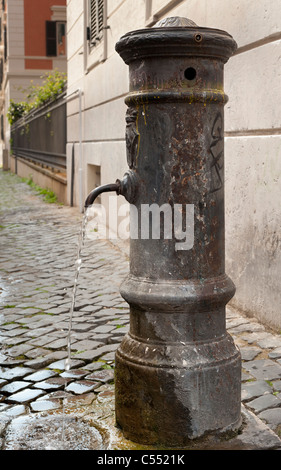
x=190 y=73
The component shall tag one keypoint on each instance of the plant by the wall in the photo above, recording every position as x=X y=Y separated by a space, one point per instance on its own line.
x=17 y=110
x=37 y=95
x=49 y=195
x=52 y=86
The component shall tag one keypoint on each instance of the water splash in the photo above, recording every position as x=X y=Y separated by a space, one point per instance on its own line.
x=39 y=432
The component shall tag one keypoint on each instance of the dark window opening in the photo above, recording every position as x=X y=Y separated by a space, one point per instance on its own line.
x=55 y=38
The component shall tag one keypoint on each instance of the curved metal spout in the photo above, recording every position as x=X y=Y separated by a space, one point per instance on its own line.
x=99 y=190
x=127 y=187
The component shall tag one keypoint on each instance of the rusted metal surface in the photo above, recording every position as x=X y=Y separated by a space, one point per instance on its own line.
x=177 y=371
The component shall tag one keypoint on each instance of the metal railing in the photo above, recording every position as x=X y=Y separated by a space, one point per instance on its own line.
x=40 y=136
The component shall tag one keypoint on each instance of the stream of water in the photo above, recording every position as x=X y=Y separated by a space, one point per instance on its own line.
x=78 y=263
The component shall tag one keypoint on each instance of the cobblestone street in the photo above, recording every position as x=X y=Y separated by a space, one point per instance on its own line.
x=38 y=254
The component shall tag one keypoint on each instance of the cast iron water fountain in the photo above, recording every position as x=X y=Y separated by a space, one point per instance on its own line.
x=177 y=372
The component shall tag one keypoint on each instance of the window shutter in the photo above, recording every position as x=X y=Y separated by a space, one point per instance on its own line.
x=96 y=20
x=93 y=20
x=100 y=16
x=51 y=38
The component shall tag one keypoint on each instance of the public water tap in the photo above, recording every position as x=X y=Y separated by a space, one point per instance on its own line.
x=177 y=356
x=126 y=187
x=99 y=190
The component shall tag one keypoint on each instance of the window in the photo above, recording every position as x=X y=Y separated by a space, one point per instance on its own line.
x=61 y=49
x=95 y=30
x=55 y=38
x=95 y=37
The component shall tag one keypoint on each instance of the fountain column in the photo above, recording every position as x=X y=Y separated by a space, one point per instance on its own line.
x=178 y=372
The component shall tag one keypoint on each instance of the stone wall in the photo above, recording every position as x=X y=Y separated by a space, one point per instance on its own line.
x=43 y=177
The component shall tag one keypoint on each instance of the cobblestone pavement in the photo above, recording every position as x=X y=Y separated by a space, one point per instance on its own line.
x=38 y=255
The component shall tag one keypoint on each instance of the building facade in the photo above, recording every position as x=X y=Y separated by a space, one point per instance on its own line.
x=33 y=42
x=98 y=80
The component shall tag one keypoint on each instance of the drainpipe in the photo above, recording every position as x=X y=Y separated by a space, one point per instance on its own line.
x=80 y=168
x=80 y=154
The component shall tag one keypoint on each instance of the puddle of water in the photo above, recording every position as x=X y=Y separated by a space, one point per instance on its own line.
x=36 y=432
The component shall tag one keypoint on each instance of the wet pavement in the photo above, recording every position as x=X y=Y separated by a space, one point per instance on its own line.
x=45 y=406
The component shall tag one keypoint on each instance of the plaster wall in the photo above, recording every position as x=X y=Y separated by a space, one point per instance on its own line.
x=252 y=126
x=26 y=49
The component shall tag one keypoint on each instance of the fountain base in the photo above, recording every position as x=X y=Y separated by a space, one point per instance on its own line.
x=159 y=402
